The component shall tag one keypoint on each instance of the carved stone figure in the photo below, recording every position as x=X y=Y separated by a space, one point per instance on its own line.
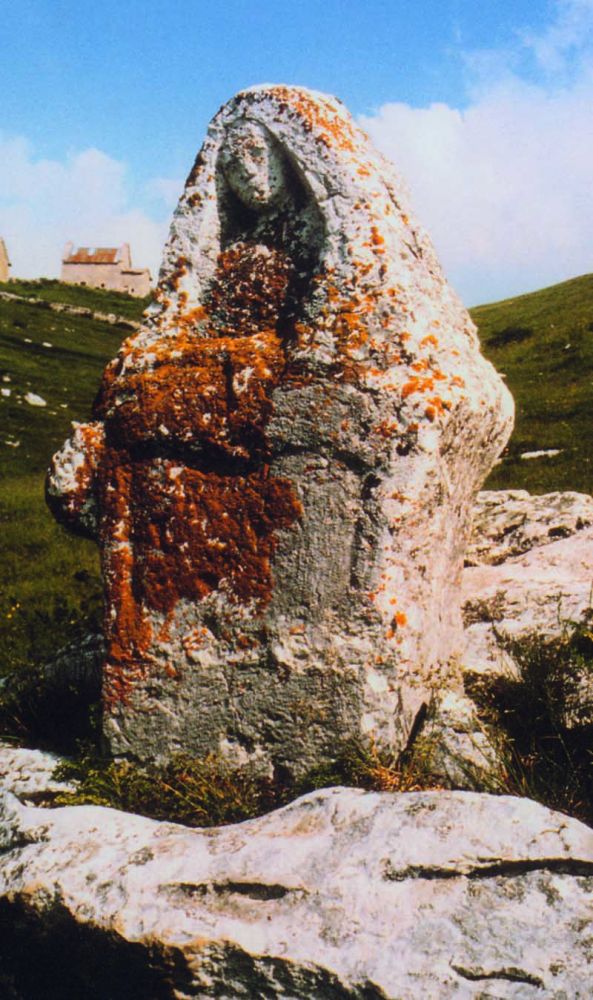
x=284 y=459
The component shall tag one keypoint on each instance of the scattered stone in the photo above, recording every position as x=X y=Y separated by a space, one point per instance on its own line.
x=64 y=307
x=34 y=400
x=545 y=453
x=284 y=459
x=343 y=893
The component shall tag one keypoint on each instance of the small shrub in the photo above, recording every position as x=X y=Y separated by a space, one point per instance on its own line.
x=40 y=707
x=49 y=713
x=544 y=720
x=187 y=790
x=361 y=764
x=210 y=792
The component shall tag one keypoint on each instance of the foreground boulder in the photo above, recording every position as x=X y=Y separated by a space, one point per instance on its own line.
x=283 y=461
x=343 y=894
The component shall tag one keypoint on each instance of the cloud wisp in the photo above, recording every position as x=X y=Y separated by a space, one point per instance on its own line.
x=85 y=198
x=504 y=184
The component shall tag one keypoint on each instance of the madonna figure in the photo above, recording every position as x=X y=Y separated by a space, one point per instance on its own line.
x=282 y=461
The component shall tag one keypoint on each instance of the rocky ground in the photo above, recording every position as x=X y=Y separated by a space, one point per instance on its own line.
x=343 y=893
x=529 y=569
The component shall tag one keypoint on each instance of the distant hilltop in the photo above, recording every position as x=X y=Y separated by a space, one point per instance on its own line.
x=104 y=267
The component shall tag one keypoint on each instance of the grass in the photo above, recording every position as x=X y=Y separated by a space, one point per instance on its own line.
x=50 y=579
x=98 y=299
x=543 y=342
x=209 y=792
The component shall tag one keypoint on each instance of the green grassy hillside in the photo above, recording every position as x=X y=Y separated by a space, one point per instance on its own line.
x=543 y=342
x=97 y=299
x=49 y=579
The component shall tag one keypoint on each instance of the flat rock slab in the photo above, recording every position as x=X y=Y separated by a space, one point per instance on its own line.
x=508 y=523
x=342 y=894
x=530 y=571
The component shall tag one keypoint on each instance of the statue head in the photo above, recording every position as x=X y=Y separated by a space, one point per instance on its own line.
x=253 y=165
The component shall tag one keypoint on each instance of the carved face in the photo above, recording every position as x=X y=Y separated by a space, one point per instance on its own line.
x=253 y=166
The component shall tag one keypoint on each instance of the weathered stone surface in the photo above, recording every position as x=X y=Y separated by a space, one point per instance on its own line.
x=507 y=523
x=539 y=591
x=284 y=459
x=29 y=773
x=343 y=894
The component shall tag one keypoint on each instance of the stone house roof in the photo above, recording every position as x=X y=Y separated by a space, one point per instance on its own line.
x=92 y=255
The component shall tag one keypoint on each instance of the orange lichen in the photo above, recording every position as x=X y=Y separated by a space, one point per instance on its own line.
x=417 y=384
x=386 y=429
x=319 y=115
x=179 y=528
x=429 y=340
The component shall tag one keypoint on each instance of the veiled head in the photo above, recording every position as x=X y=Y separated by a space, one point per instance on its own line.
x=253 y=165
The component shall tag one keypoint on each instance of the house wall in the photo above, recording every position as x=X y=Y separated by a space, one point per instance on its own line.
x=4 y=263
x=94 y=275
x=135 y=282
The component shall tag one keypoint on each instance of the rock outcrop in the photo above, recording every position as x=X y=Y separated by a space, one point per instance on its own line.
x=343 y=894
x=284 y=460
x=530 y=571
x=509 y=523
x=29 y=774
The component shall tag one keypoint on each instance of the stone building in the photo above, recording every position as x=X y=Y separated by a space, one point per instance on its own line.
x=4 y=262
x=104 y=267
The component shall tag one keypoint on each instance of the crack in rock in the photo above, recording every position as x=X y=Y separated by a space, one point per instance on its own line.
x=510 y=974
x=504 y=869
x=260 y=891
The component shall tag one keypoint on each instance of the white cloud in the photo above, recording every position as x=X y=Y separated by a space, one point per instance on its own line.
x=166 y=190
x=570 y=32
x=504 y=185
x=84 y=198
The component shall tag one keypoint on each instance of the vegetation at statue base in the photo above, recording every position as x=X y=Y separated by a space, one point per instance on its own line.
x=209 y=791
x=50 y=592
x=541 y=720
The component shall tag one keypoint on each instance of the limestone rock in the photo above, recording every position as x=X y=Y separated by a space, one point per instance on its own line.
x=507 y=523
x=29 y=773
x=344 y=894
x=284 y=459
x=538 y=591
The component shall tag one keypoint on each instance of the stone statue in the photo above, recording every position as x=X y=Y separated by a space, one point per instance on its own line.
x=283 y=460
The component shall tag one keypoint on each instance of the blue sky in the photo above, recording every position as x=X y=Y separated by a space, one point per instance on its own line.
x=104 y=106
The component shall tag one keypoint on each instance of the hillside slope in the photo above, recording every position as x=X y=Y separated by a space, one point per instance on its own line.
x=50 y=365
x=543 y=342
